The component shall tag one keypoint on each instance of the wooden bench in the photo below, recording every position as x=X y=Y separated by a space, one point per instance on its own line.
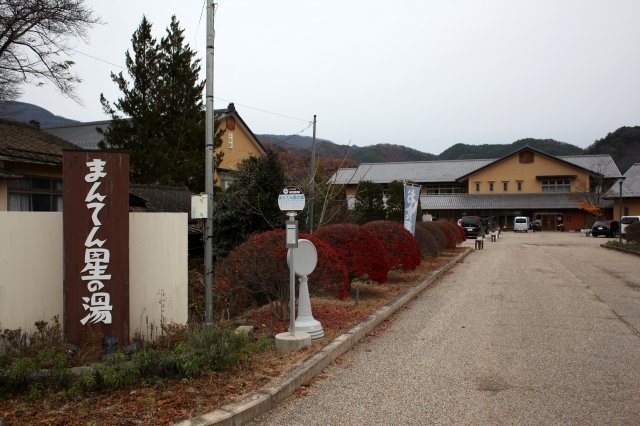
x=479 y=243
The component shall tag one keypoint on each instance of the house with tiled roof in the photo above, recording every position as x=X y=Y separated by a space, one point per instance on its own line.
x=527 y=182
x=239 y=142
x=30 y=168
x=630 y=199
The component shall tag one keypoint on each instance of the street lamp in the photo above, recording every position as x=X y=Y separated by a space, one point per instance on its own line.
x=620 y=222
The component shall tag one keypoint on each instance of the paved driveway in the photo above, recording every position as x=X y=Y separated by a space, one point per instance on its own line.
x=537 y=328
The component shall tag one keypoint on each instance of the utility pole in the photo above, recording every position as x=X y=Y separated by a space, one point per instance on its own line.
x=209 y=166
x=313 y=176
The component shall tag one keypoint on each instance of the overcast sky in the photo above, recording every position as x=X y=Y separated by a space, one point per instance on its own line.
x=421 y=73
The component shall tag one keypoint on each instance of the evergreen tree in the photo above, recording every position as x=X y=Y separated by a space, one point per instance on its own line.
x=160 y=117
x=395 y=201
x=250 y=204
x=369 y=204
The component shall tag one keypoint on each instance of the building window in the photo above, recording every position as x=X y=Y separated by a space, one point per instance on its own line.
x=490 y=186
x=35 y=194
x=519 y=185
x=505 y=186
x=477 y=186
x=446 y=189
x=556 y=185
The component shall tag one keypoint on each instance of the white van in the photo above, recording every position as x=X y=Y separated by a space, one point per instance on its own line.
x=521 y=223
x=626 y=221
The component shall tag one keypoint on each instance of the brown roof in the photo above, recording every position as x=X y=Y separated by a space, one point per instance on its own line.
x=21 y=142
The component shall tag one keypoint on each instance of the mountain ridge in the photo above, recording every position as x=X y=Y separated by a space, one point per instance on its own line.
x=623 y=144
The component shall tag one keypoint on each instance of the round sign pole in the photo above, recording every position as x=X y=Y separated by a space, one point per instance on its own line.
x=292 y=284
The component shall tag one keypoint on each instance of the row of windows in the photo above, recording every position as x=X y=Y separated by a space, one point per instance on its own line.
x=35 y=194
x=548 y=185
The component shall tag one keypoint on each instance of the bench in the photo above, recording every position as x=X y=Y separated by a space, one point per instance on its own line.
x=479 y=243
x=585 y=232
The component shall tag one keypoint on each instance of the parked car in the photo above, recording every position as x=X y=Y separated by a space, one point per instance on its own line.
x=626 y=221
x=472 y=226
x=521 y=223
x=608 y=228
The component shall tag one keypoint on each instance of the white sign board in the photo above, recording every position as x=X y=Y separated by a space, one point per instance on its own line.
x=291 y=199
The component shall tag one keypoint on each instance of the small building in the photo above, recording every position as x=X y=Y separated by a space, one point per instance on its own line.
x=630 y=194
x=238 y=141
x=527 y=182
x=30 y=168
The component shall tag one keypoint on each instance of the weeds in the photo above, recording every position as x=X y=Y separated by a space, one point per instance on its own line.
x=38 y=363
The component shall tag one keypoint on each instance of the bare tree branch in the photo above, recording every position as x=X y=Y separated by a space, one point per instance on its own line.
x=35 y=38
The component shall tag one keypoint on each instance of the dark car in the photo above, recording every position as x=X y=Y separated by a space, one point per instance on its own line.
x=608 y=228
x=472 y=226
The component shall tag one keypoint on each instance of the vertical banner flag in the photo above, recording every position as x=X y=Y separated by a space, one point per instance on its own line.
x=411 y=200
x=96 y=245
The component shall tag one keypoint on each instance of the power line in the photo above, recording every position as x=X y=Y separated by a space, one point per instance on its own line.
x=98 y=59
x=269 y=112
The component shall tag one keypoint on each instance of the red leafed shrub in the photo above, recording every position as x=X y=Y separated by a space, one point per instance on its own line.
x=255 y=273
x=358 y=248
x=438 y=233
x=401 y=248
x=458 y=232
x=449 y=233
x=427 y=243
x=331 y=276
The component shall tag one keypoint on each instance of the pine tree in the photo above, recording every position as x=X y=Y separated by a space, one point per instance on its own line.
x=160 y=117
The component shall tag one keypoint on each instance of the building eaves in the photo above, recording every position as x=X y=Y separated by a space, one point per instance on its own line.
x=503 y=202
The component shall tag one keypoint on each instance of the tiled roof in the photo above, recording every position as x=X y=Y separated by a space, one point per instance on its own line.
x=503 y=202
x=166 y=199
x=602 y=164
x=452 y=170
x=25 y=143
x=415 y=171
x=630 y=185
x=84 y=135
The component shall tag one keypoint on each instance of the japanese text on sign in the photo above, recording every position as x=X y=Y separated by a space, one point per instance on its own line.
x=96 y=255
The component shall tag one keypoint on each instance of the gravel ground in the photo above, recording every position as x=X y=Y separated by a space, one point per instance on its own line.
x=537 y=328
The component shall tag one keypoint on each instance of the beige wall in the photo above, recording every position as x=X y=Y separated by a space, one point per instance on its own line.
x=242 y=147
x=511 y=170
x=158 y=269
x=633 y=204
x=31 y=268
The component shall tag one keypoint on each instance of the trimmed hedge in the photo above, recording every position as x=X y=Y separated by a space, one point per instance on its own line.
x=632 y=233
x=255 y=273
x=427 y=243
x=450 y=233
x=401 y=247
x=437 y=233
x=358 y=248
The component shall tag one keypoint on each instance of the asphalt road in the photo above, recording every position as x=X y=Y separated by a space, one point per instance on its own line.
x=537 y=328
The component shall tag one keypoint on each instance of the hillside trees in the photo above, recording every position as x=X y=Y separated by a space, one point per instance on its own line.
x=160 y=117
x=35 y=37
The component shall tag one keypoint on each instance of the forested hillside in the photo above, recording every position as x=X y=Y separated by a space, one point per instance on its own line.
x=623 y=145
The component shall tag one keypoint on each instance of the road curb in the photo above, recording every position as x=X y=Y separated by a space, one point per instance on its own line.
x=621 y=249
x=263 y=400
